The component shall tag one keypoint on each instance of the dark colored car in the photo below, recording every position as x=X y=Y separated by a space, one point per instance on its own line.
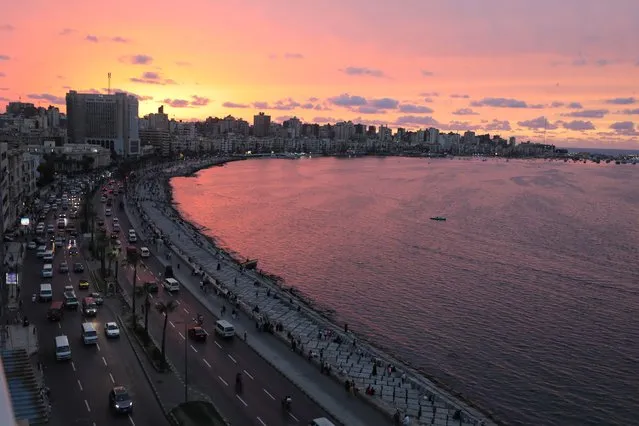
x=55 y=312
x=168 y=271
x=119 y=400
x=97 y=298
x=78 y=267
x=114 y=235
x=197 y=333
x=70 y=301
x=152 y=287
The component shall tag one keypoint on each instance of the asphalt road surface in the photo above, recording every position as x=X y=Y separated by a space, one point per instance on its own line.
x=212 y=365
x=80 y=387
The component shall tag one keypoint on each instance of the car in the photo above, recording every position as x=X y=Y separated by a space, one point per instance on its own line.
x=151 y=287
x=32 y=245
x=111 y=329
x=78 y=267
x=70 y=300
x=114 y=235
x=120 y=400
x=144 y=252
x=197 y=333
x=83 y=285
x=117 y=244
x=64 y=267
x=68 y=288
x=97 y=298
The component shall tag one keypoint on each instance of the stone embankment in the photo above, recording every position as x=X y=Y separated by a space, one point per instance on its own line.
x=396 y=386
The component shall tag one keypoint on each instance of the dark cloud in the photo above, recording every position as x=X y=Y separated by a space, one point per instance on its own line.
x=138 y=59
x=118 y=39
x=363 y=71
x=624 y=128
x=634 y=111
x=427 y=73
x=602 y=62
x=538 y=123
x=428 y=100
x=370 y=110
x=144 y=98
x=55 y=100
x=580 y=62
x=281 y=105
x=313 y=99
x=7 y=27
x=503 y=103
x=199 y=101
x=415 y=109
x=621 y=101
x=458 y=126
x=574 y=105
x=459 y=96
x=152 y=77
x=498 y=125
x=578 y=125
x=346 y=100
x=324 y=120
x=91 y=38
x=4 y=57
x=465 y=111
x=3 y=99
x=177 y=103
x=411 y=120
x=66 y=31
x=429 y=94
x=307 y=106
x=293 y=56
x=557 y=104
x=587 y=113
x=384 y=103
x=234 y=105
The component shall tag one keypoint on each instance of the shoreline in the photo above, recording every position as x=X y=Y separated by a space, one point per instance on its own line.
x=324 y=313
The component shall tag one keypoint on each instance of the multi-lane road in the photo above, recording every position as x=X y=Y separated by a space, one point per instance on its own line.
x=212 y=365
x=80 y=387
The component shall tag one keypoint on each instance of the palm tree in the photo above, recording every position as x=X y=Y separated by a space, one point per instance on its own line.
x=165 y=308
x=132 y=258
x=101 y=250
x=112 y=255
x=147 y=305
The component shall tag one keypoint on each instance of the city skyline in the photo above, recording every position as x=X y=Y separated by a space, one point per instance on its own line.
x=420 y=66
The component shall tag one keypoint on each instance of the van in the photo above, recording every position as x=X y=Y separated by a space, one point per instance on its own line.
x=55 y=312
x=62 y=348
x=171 y=284
x=41 y=251
x=46 y=293
x=47 y=270
x=89 y=335
x=224 y=328
x=321 y=421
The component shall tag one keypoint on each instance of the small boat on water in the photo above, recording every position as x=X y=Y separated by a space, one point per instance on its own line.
x=440 y=218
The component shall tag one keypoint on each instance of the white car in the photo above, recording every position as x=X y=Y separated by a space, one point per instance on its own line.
x=32 y=245
x=144 y=252
x=111 y=329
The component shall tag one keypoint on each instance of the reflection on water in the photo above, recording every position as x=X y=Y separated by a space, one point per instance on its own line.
x=524 y=299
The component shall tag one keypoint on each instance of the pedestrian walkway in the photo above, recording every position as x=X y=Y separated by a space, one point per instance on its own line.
x=311 y=336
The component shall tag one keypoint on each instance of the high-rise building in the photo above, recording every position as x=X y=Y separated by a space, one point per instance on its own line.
x=110 y=121
x=261 y=124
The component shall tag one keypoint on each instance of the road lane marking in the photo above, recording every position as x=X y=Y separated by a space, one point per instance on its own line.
x=223 y=381
x=182 y=336
x=178 y=302
x=131 y=420
x=80 y=385
x=73 y=366
x=261 y=421
x=206 y=362
x=97 y=346
x=87 y=404
x=59 y=325
x=249 y=374
x=232 y=359
x=104 y=361
x=185 y=310
x=218 y=345
x=271 y=396
x=241 y=400
x=172 y=325
x=112 y=379
x=293 y=417
x=195 y=350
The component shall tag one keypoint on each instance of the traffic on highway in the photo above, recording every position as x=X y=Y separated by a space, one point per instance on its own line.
x=93 y=375
x=205 y=351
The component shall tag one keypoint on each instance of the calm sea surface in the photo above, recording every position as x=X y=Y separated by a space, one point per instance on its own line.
x=526 y=299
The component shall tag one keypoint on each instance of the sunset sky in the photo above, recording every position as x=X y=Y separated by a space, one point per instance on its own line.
x=498 y=66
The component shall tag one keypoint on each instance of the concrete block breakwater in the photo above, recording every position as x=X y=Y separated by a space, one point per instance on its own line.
x=396 y=385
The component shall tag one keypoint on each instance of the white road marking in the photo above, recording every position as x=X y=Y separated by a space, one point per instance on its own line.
x=271 y=396
x=206 y=362
x=104 y=361
x=261 y=421
x=97 y=346
x=218 y=345
x=87 y=404
x=80 y=385
x=182 y=336
x=172 y=325
x=178 y=302
x=112 y=379
x=232 y=359
x=241 y=400
x=131 y=420
x=223 y=381
x=249 y=374
x=73 y=366
x=293 y=417
x=185 y=310
x=195 y=350
x=59 y=325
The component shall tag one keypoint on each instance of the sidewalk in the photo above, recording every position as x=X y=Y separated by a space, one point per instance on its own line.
x=325 y=342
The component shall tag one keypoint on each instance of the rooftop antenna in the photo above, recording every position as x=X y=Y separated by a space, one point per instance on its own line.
x=109 y=87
